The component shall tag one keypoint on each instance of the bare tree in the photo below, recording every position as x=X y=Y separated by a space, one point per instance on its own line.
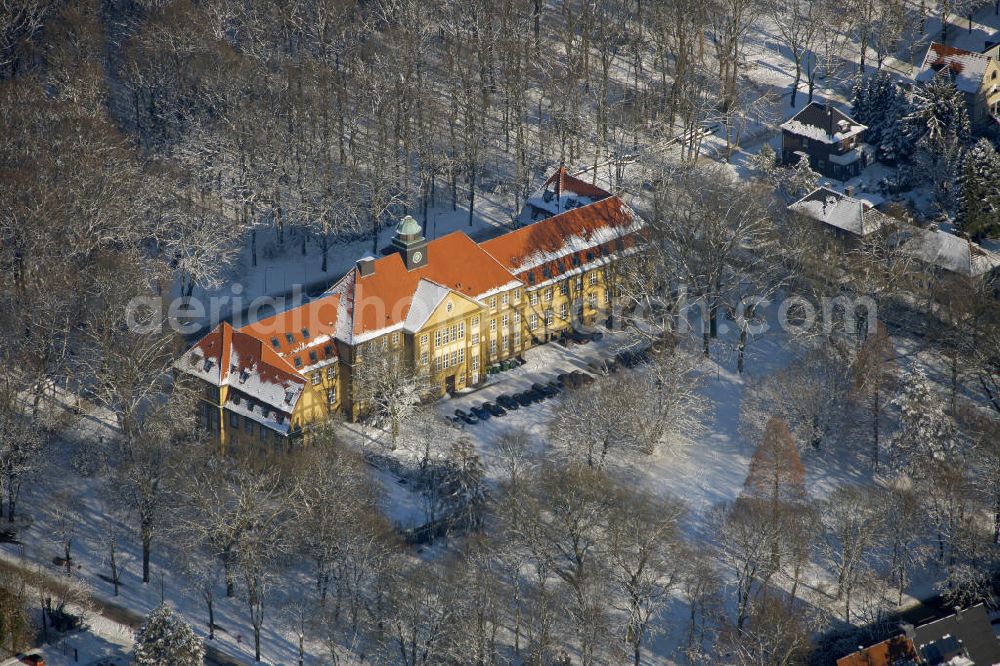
x=853 y=519
x=389 y=387
x=872 y=380
x=646 y=560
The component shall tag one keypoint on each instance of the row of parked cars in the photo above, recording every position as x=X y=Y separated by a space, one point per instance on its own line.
x=509 y=402
x=580 y=337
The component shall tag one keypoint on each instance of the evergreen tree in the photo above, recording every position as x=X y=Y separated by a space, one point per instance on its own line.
x=940 y=124
x=859 y=101
x=165 y=638
x=764 y=164
x=979 y=199
x=927 y=434
x=896 y=140
x=873 y=96
x=940 y=113
x=800 y=180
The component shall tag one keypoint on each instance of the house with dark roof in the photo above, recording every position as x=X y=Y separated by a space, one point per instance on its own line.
x=976 y=75
x=449 y=308
x=845 y=216
x=831 y=140
x=965 y=638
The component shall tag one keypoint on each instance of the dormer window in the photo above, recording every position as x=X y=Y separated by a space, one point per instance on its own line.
x=531 y=278
x=208 y=364
x=328 y=350
x=590 y=257
x=275 y=343
x=280 y=418
x=305 y=333
x=289 y=396
x=298 y=361
x=313 y=357
x=236 y=399
x=244 y=376
x=290 y=338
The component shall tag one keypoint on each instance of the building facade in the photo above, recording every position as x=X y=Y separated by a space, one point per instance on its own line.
x=975 y=75
x=831 y=140
x=447 y=310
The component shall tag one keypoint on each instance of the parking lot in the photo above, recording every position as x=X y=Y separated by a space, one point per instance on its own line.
x=548 y=370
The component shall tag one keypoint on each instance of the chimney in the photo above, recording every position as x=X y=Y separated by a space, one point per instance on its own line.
x=849 y=190
x=366 y=265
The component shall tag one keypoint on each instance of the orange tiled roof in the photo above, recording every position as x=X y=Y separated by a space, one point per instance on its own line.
x=556 y=244
x=382 y=299
x=359 y=306
x=896 y=650
x=567 y=183
x=304 y=336
x=230 y=357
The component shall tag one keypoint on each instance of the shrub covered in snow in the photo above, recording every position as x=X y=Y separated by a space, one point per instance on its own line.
x=166 y=638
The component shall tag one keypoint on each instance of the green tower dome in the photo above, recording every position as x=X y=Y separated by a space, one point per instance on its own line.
x=408 y=227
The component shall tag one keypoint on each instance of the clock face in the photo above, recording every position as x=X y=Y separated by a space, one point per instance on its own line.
x=417 y=256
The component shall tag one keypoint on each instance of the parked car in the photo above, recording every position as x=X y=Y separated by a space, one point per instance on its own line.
x=507 y=402
x=546 y=391
x=460 y=413
x=578 y=337
x=523 y=398
x=494 y=409
x=554 y=387
x=565 y=380
x=480 y=413
x=470 y=419
x=582 y=378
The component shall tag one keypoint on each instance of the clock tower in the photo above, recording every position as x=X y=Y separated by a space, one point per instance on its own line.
x=409 y=241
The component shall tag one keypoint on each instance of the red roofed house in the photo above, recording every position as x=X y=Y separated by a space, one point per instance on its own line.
x=977 y=75
x=561 y=192
x=450 y=307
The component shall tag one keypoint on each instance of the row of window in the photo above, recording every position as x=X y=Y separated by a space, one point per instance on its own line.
x=504 y=299
x=449 y=359
x=249 y=427
x=265 y=411
x=560 y=269
x=331 y=373
x=449 y=334
x=592 y=278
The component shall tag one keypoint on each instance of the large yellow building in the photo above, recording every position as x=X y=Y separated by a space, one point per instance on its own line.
x=449 y=309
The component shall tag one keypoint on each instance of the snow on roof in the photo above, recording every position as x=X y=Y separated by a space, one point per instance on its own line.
x=562 y=192
x=841 y=211
x=262 y=414
x=558 y=244
x=823 y=122
x=425 y=300
x=967 y=68
x=239 y=360
x=951 y=253
x=390 y=298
